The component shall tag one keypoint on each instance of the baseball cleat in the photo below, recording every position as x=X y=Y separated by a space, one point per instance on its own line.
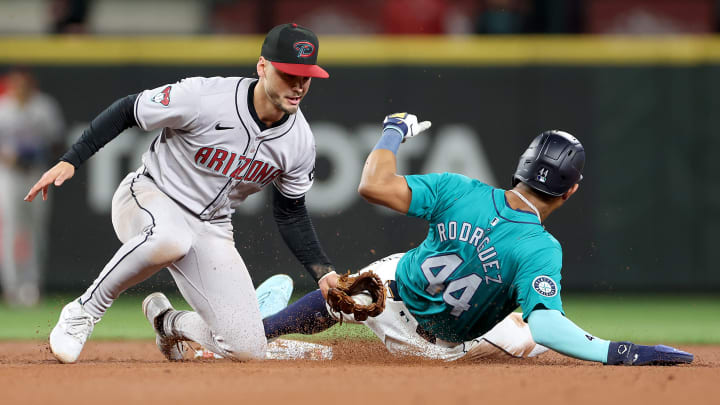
x=71 y=332
x=155 y=306
x=273 y=294
x=206 y=354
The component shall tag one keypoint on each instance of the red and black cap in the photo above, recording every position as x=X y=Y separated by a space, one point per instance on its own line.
x=293 y=49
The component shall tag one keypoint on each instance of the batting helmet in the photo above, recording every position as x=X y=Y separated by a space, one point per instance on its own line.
x=552 y=164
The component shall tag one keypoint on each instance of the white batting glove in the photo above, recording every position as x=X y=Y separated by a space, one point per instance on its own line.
x=406 y=124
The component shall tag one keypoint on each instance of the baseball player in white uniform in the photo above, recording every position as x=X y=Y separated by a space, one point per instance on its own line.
x=398 y=329
x=31 y=125
x=221 y=140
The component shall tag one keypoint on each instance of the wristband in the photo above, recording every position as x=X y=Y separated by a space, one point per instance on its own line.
x=390 y=140
x=327 y=274
x=620 y=353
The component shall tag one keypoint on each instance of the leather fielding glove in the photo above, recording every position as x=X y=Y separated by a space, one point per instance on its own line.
x=366 y=284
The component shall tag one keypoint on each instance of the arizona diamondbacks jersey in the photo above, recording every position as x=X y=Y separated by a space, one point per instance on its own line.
x=212 y=154
x=480 y=260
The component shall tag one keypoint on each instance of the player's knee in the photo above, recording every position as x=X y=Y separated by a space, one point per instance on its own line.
x=169 y=246
x=242 y=349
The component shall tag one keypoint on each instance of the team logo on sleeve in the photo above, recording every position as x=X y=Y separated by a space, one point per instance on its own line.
x=545 y=286
x=163 y=97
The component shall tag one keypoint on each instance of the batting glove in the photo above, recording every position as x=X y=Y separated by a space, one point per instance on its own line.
x=406 y=124
x=630 y=354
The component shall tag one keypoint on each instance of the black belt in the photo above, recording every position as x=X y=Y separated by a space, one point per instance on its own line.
x=392 y=285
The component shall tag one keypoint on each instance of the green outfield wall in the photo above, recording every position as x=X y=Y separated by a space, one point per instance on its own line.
x=647 y=111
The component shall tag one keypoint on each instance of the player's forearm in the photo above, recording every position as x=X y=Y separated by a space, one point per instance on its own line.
x=551 y=329
x=299 y=235
x=103 y=129
x=377 y=175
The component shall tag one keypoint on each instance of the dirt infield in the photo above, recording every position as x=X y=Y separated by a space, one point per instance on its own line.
x=135 y=372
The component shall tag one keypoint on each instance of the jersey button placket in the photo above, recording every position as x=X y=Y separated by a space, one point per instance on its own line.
x=258 y=138
x=251 y=146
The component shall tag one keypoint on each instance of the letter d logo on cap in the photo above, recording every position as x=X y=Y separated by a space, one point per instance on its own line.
x=305 y=49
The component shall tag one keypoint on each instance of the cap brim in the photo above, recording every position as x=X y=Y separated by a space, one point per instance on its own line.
x=297 y=69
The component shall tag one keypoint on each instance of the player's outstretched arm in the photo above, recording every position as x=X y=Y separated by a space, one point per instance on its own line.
x=104 y=128
x=380 y=184
x=553 y=330
x=299 y=235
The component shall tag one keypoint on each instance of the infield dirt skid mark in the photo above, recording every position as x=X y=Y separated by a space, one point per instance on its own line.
x=361 y=373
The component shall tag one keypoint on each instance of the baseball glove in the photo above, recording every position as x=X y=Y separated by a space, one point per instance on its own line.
x=360 y=294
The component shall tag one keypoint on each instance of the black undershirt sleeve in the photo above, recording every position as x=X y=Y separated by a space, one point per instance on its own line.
x=299 y=234
x=103 y=129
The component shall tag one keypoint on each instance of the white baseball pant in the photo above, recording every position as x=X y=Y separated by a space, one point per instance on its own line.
x=202 y=259
x=21 y=225
x=397 y=329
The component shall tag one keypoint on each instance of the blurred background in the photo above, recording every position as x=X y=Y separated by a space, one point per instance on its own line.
x=637 y=81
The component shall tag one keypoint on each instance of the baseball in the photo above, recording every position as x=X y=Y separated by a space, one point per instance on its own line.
x=363 y=298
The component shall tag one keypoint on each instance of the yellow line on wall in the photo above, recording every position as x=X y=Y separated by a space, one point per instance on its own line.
x=368 y=51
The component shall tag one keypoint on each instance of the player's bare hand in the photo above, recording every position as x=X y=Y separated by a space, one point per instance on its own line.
x=55 y=176
x=327 y=282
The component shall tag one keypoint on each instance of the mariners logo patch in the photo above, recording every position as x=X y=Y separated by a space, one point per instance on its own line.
x=545 y=286
x=163 y=97
x=542 y=175
x=304 y=49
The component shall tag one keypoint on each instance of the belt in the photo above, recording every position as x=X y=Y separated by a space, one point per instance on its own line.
x=392 y=285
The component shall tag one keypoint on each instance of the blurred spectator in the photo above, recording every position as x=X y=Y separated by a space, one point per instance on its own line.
x=414 y=16
x=345 y=17
x=557 y=16
x=360 y=17
x=650 y=16
x=69 y=16
x=503 y=17
x=240 y=16
x=30 y=125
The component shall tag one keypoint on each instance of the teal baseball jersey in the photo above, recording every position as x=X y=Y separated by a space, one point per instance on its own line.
x=480 y=260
